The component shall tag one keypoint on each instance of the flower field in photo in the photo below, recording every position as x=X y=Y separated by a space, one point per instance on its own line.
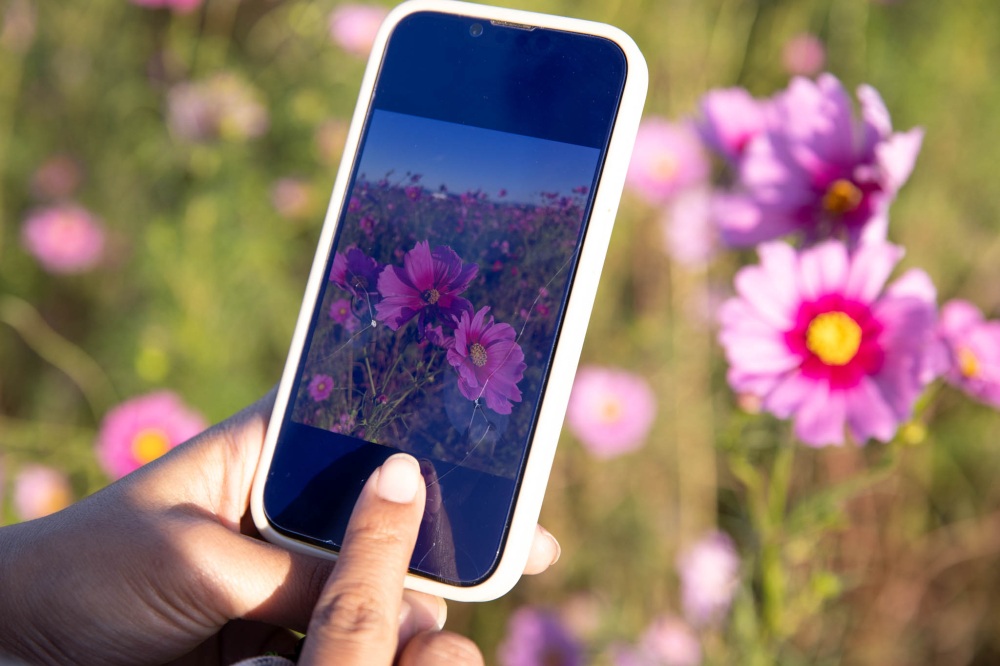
x=783 y=442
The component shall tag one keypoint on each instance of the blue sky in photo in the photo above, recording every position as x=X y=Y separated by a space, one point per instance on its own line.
x=466 y=158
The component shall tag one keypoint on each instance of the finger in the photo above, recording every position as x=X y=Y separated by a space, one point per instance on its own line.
x=545 y=551
x=420 y=612
x=440 y=648
x=357 y=617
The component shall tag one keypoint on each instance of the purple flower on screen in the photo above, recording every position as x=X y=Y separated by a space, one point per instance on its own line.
x=709 y=572
x=340 y=312
x=610 y=410
x=428 y=284
x=320 y=387
x=820 y=340
x=536 y=637
x=358 y=274
x=818 y=171
x=667 y=159
x=489 y=361
x=969 y=351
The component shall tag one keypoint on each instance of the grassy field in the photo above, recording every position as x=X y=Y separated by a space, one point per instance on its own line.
x=880 y=554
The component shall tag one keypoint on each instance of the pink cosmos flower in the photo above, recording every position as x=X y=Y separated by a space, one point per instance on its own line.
x=668 y=641
x=40 y=491
x=819 y=340
x=64 y=239
x=730 y=119
x=536 y=637
x=710 y=574
x=803 y=55
x=353 y=27
x=969 y=351
x=320 y=387
x=179 y=6
x=142 y=429
x=489 y=361
x=610 y=410
x=428 y=284
x=357 y=273
x=223 y=106
x=341 y=312
x=817 y=170
x=667 y=159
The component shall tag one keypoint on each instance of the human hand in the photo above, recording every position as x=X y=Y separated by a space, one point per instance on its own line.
x=158 y=565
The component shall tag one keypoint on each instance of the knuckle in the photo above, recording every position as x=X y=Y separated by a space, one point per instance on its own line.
x=441 y=648
x=353 y=614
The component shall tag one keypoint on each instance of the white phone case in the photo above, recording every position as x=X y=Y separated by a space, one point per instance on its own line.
x=554 y=399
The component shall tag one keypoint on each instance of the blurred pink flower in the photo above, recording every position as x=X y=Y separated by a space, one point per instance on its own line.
x=428 y=284
x=489 y=361
x=668 y=641
x=536 y=637
x=292 y=198
x=340 y=312
x=803 y=54
x=64 y=238
x=969 y=351
x=730 y=119
x=222 y=106
x=353 y=27
x=179 y=6
x=320 y=387
x=610 y=410
x=142 y=429
x=819 y=340
x=40 y=491
x=56 y=178
x=710 y=575
x=689 y=235
x=667 y=158
x=818 y=171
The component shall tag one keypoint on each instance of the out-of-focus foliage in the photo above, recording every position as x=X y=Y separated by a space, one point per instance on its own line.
x=209 y=213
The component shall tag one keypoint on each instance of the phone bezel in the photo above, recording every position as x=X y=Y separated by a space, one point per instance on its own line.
x=555 y=397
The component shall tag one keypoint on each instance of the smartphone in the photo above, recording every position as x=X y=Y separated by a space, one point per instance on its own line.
x=457 y=267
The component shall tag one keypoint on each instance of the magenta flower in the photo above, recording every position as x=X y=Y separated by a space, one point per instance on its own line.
x=357 y=273
x=340 y=312
x=536 y=637
x=710 y=575
x=320 y=387
x=667 y=159
x=803 y=55
x=64 y=239
x=816 y=337
x=730 y=119
x=489 y=361
x=353 y=27
x=142 y=429
x=969 y=351
x=179 y=6
x=40 y=491
x=610 y=410
x=817 y=170
x=428 y=284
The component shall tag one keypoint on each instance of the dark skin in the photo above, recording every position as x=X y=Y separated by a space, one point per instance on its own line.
x=164 y=566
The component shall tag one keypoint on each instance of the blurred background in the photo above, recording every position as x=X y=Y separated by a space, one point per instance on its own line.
x=182 y=151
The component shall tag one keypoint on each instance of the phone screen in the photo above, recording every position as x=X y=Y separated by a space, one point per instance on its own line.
x=447 y=281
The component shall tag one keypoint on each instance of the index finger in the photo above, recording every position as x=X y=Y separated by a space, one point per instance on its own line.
x=356 y=619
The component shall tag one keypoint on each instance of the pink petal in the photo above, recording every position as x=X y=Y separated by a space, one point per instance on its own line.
x=958 y=316
x=820 y=419
x=823 y=269
x=897 y=155
x=869 y=416
x=874 y=113
x=870 y=268
x=789 y=394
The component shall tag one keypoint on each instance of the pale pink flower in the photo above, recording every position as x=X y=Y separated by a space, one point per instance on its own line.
x=292 y=198
x=803 y=55
x=64 y=238
x=689 y=235
x=667 y=158
x=222 y=106
x=710 y=575
x=353 y=27
x=610 y=410
x=730 y=119
x=320 y=387
x=341 y=312
x=671 y=642
x=142 y=429
x=969 y=351
x=40 y=491
x=179 y=6
x=820 y=340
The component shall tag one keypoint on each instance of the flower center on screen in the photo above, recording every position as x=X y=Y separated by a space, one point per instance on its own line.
x=431 y=296
x=841 y=197
x=968 y=364
x=149 y=445
x=477 y=353
x=834 y=337
x=360 y=282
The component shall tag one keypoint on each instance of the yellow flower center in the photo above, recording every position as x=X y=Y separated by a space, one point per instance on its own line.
x=431 y=296
x=477 y=353
x=834 y=337
x=611 y=411
x=968 y=364
x=841 y=197
x=149 y=445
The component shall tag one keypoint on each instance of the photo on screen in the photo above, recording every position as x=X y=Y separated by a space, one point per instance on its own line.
x=450 y=273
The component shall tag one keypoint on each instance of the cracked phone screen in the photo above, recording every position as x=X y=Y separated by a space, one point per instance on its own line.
x=444 y=294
